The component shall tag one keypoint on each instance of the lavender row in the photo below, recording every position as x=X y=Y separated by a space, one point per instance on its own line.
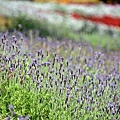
x=79 y=81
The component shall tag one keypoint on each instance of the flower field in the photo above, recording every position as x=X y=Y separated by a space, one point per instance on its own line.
x=49 y=10
x=57 y=80
x=55 y=64
x=76 y=22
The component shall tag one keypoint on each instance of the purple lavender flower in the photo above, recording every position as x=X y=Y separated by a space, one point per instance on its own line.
x=113 y=113
x=11 y=107
x=68 y=104
x=78 y=100
x=20 y=118
x=119 y=78
x=8 y=118
x=26 y=117
x=111 y=105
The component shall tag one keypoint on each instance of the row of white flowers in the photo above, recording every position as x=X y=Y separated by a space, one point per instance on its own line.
x=46 y=11
x=99 y=10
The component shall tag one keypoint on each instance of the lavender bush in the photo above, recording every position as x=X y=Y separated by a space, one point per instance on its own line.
x=54 y=80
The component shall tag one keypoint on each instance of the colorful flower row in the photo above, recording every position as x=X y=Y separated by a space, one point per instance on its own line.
x=49 y=12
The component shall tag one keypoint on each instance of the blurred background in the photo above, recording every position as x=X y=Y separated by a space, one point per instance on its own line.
x=79 y=1
x=96 y=22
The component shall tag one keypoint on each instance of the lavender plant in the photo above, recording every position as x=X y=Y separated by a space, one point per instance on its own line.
x=55 y=80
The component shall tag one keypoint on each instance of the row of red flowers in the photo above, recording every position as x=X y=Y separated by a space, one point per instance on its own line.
x=108 y=20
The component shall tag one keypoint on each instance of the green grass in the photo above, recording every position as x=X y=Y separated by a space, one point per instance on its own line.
x=105 y=41
x=22 y=23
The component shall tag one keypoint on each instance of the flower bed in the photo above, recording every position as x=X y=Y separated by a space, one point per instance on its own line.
x=56 y=20
x=107 y=20
x=108 y=15
x=57 y=80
